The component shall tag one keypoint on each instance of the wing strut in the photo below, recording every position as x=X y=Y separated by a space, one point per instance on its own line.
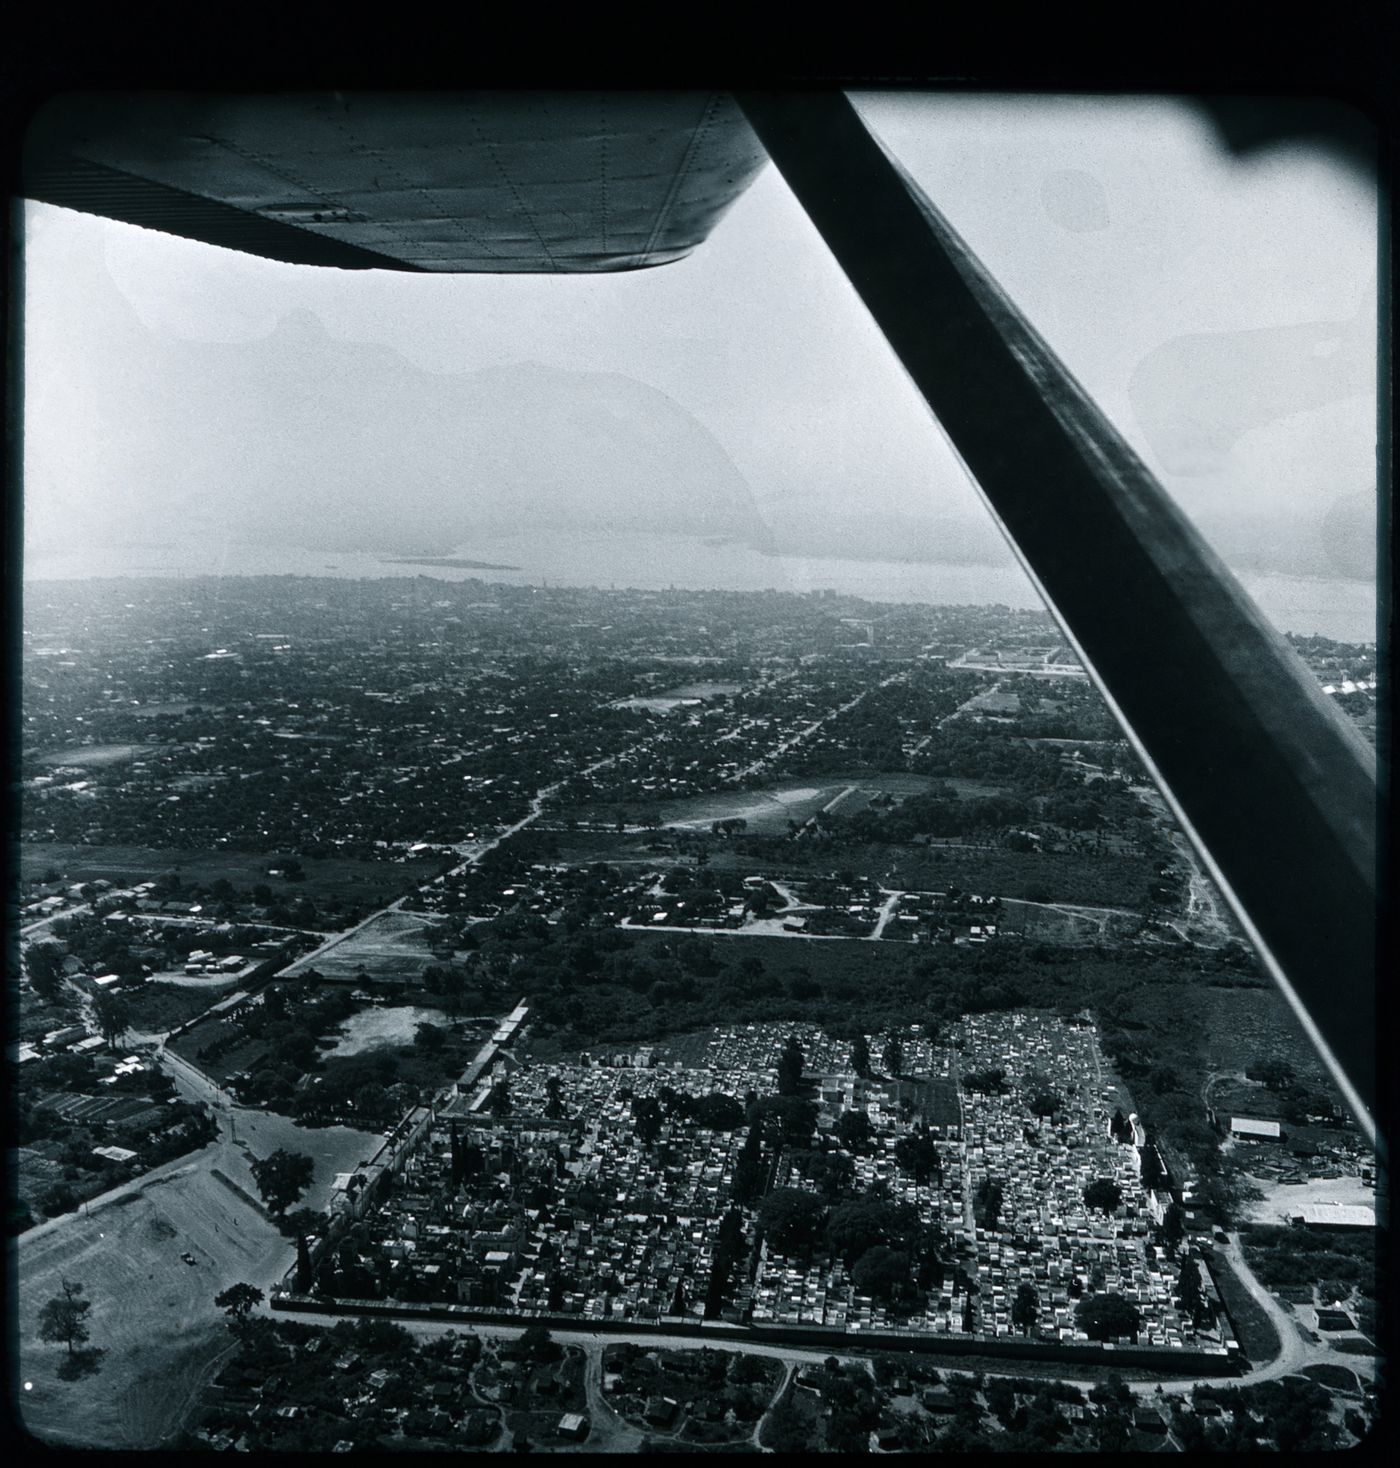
x=1274 y=787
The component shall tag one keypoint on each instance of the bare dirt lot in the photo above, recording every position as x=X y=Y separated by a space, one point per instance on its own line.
x=152 y=1314
x=371 y=1028
x=392 y=946
x=1280 y=1200
x=91 y=756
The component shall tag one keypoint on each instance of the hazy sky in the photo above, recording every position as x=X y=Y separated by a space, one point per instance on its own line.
x=1221 y=311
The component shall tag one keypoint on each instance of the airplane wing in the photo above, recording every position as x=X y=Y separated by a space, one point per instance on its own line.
x=451 y=182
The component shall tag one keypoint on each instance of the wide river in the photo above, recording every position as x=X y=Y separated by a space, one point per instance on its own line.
x=1342 y=609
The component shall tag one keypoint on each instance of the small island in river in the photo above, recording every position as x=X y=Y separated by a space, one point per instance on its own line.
x=449 y=561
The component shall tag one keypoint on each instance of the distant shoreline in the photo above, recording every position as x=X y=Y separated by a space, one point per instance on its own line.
x=450 y=561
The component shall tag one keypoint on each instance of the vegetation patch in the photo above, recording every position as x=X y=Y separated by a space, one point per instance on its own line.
x=1253 y=1328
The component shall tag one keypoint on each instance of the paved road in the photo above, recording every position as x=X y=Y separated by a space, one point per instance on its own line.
x=30 y=928
x=886 y=913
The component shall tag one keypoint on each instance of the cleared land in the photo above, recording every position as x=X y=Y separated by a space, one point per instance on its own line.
x=152 y=1314
x=1280 y=1200
x=764 y=810
x=393 y=945
x=372 y=1028
x=91 y=756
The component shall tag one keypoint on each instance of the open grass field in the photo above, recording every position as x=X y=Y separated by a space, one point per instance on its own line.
x=157 y=1008
x=1051 y=924
x=1110 y=879
x=1253 y=1328
x=1244 y=1025
x=152 y=1315
x=392 y=946
x=1113 y=880
x=374 y=883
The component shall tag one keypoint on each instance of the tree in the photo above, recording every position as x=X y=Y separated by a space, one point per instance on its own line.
x=854 y=1130
x=1120 y=1127
x=1277 y=1075
x=646 y=1115
x=832 y=1172
x=304 y=1271
x=1045 y=1103
x=792 y=1220
x=1190 y=1299
x=62 y=1320
x=1107 y=1317
x=986 y=1203
x=790 y=1068
x=302 y=1221
x=429 y=1038
x=863 y=1223
x=554 y=1098
x=536 y=1344
x=893 y=1055
x=917 y=1154
x=794 y=1118
x=238 y=1301
x=113 y=1016
x=719 y=1112
x=882 y=1272
x=453 y=989
x=372 y=1101
x=44 y=963
x=1025 y=1310
x=1104 y=1194
x=1153 y=1173
x=1113 y=1391
x=749 y=1172
x=58 y=1199
x=282 y=1178
x=1174 y=1224
x=498 y=1102
x=860 y=1056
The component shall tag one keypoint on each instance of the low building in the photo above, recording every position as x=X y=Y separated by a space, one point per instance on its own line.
x=661 y=1411
x=574 y=1426
x=1254 y=1128
x=114 y=1154
x=1332 y=1215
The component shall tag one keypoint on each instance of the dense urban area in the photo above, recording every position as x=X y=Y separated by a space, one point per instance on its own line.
x=461 y=1015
